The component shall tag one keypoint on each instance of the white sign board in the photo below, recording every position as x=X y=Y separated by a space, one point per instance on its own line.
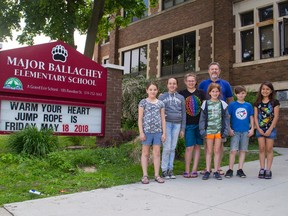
x=17 y=115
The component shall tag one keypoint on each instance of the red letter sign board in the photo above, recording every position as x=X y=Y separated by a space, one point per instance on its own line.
x=52 y=86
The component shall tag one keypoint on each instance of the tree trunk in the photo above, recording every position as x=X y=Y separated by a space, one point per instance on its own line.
x=97 y=14
x=71 y=11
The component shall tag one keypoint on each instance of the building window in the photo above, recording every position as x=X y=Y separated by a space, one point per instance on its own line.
x=282 y=95
x=266 y=33
x=135 y=61
x=170 y=3
x=266 y=42
x=178 y=54
x=247 y=18
x=247 y=39
x=283 y=33
x=256 y=28
x=283 y=9
x=145 y=12
x=106 y=61
x=283 y=28
x=266 y=13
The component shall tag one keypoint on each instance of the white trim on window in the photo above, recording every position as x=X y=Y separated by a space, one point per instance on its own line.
x=255 y=5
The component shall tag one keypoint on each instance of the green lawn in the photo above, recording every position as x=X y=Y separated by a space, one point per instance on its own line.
x=60 y=172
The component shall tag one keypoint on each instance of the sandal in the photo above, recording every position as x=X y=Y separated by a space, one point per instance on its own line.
x=186 y=175
x=145 y=180
x=159 y=179
x=194 y=175
x=221 y=172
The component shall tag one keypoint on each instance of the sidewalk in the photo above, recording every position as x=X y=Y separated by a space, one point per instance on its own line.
x=181 y=197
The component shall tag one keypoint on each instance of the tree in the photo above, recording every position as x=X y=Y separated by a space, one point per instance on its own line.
x=59 y=19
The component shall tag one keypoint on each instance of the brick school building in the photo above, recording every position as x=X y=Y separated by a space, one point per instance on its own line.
x=249 y=38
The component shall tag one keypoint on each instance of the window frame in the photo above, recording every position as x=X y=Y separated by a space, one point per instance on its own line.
x=240 y=8
x=182 y=66
x=283 y=32
x=130 y=52
x=173 y=3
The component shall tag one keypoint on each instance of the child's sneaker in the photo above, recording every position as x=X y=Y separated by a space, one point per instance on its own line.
x=206 y=175
x=268 y=174
x=165 y=174
x=217 y=176
x=229 y=173
x=202 y=172
x=171 y=175
x=261 y=174
x=241 y=174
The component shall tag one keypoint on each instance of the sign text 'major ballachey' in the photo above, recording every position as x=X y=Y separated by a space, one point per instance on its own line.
x=61 y=118
x=52 y=70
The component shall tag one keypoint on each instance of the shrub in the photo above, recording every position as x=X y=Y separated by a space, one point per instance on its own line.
x=180 y=148
x=133 y=90
x=128 y=135
x=76 y=140
x=123 y=137
x=31 y=141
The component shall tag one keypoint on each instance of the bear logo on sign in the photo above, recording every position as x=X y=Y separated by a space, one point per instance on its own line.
x=59 y=53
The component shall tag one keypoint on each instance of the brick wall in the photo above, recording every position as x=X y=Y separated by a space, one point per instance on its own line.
x=113 y=106
x=153 y=56
x=282 y=125
x=113 y=47
x=155 y=9
x=223 y=36
x=205 y=43
x=168 y=21
x=273 y=71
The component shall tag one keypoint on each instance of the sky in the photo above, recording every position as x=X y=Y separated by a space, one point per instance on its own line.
x=12 y=44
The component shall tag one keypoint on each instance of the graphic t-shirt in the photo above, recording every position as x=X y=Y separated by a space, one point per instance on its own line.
x=240 y=115
x=152 y=116
x=193 y=103
x=214 y=117
x=266 y=114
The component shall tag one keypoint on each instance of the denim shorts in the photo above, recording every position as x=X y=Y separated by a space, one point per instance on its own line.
x=239 y=142
x=152 y=139
x=192 y=135
x=273 y=134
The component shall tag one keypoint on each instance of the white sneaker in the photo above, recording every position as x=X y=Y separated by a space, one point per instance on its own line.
x=171 y=175
x=165 y=174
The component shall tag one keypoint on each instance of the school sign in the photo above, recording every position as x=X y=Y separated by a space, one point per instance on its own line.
x=52 y=86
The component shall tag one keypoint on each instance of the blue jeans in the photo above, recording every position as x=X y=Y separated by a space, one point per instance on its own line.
x=169 y=146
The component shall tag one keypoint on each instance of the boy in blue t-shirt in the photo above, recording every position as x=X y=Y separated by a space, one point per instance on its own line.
x=242 y=127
